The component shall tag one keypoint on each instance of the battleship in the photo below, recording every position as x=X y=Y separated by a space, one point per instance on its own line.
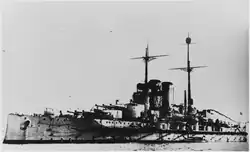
x=150 y=116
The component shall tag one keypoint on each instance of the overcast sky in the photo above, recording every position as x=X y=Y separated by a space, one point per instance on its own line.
x=54 y=50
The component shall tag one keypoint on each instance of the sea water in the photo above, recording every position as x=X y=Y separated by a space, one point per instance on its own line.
x=212 y=146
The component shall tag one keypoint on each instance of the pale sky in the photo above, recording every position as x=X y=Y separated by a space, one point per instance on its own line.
x=54 y=50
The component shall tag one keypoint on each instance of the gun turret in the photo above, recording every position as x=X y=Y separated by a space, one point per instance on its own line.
x=76 y=113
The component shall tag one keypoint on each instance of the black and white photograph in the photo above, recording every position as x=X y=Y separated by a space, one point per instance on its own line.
x=167 y=75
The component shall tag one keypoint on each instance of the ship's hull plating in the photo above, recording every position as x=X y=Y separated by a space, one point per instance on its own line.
x=41 y=129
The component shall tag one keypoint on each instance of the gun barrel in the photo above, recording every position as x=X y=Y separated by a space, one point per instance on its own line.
x=74 y=112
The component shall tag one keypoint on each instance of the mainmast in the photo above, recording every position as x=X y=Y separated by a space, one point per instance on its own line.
x=147 y=59
x=188 y=69
x=188 y=42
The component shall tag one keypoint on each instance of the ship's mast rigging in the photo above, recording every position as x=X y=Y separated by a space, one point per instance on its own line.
x=147 y=59
x=188 y=69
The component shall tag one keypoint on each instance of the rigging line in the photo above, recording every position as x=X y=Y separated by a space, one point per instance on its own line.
x=221 y=114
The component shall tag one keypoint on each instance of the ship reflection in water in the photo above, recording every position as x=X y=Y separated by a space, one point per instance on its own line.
x=216 y=146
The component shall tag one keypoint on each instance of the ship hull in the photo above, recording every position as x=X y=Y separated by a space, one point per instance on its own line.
x=142 y=138
x=40 y=129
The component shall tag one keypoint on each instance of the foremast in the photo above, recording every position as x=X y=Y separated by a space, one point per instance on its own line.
x=146 y=60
